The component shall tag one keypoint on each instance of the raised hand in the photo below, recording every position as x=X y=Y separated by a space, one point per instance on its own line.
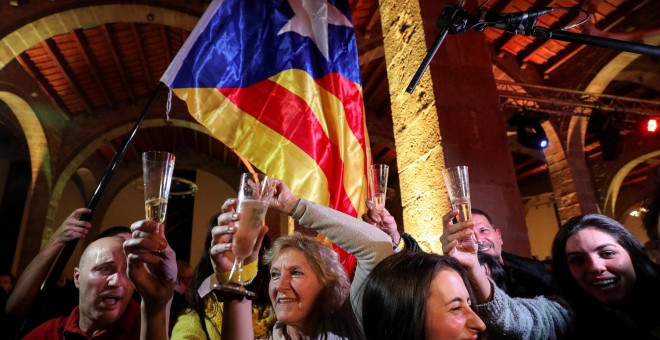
x=151 y=263
x=72 y=228
x=382 y=220
x=221 y=243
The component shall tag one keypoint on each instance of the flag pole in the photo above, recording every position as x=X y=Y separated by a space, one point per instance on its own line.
x=38 y=308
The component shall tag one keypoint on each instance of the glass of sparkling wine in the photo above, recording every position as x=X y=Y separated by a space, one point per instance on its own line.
x=254 y=194
x=157 y=168
x=458 y=187
x=378 y=184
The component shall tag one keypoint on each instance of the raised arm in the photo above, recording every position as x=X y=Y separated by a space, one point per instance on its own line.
x=368 y=244
x=506 y=317
x=27 y=287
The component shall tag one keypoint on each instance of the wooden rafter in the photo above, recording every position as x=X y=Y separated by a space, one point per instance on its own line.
x=60 y=63
x=500 y=42
x=143 y=58
x=531 y=49
x=117 y=60
x=48 y=90
x=166 y=45
x=86 y=53
x=606 y=24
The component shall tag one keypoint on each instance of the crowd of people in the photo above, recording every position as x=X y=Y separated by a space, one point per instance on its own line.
x=604 y=282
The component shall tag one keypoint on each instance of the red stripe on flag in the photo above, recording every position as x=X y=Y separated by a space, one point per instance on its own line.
x=349 y=94
x=290 y=116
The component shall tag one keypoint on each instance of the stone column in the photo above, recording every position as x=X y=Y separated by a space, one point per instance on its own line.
x=452 y=118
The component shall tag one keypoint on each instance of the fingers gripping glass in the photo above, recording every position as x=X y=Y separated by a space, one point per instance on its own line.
x=457 y=183
x=254 y=193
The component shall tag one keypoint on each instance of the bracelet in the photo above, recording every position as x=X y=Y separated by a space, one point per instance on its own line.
x=293 y=211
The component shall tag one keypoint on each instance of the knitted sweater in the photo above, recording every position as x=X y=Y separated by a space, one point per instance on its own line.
x=525 y=318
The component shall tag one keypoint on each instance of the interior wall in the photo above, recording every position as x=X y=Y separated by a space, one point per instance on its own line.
x=211 y=194
x=126 y=208
x=70 y=200
x=542 y=225
x=634 y=224
x=4 y=168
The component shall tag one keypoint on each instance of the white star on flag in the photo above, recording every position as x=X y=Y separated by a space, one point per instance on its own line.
x=311 y=19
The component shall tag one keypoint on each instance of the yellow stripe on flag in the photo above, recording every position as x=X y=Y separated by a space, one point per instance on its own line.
x=241 y=131
x=330 y=114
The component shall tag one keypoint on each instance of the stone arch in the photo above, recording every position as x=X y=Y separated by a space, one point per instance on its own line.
x=578 y=124
x=91 y=147
x=66 y=21
x=34 y=134
x=617 y=179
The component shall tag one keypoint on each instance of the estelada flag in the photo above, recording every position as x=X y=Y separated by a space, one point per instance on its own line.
x=279 y=82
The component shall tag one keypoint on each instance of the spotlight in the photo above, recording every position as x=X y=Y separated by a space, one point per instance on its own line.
x=650 y=125
x=529 y=130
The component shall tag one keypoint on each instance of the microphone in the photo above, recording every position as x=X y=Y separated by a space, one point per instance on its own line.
x=517 y=21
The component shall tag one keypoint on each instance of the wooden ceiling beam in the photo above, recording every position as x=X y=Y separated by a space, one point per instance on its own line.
x=48 y=90
x=80 y=40
x=61 y=64
x=369 y=91
x=166 y=45
x=117 y=60
x=605 y=25
x=531 y=49
x=143 y=59
x=500 y=42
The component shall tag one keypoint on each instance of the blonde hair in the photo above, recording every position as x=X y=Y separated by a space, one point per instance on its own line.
x=325 y=263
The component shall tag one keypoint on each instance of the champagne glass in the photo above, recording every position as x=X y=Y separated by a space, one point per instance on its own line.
x=254 y=194
x=378 y=185
x=157 y=168
x=458 y=187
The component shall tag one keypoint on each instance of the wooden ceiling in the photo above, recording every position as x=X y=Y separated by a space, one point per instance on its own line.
x=92 y=71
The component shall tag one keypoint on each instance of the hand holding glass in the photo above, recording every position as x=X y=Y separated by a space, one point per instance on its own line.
x=378 y=184
x=457 y=182
x=254 y=194
x=157 y=169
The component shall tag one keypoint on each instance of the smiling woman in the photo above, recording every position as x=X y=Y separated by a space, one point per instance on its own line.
x=308 y=288
x=603 y=271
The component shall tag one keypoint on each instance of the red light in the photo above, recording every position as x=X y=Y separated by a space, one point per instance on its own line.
x=652 y=125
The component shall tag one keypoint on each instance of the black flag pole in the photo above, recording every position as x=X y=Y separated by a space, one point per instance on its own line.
x=57 y=268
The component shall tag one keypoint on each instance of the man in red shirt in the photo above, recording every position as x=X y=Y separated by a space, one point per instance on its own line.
x=106 y=309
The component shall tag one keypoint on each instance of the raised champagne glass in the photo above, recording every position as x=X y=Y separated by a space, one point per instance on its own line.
x=458 y=187
x=378 y=184
x=254 y=194
x=157 y=169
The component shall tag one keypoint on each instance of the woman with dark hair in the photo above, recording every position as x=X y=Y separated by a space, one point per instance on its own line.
x=203 y=320
x=605 y=274
x=417 y=295
x=608 y=286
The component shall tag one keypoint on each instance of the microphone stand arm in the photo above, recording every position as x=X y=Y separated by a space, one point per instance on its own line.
x=454 y=19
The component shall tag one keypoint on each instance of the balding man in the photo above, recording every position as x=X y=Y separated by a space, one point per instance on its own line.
x=105 y=309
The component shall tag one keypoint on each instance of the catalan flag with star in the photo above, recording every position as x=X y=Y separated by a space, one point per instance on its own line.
x=279 y=82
